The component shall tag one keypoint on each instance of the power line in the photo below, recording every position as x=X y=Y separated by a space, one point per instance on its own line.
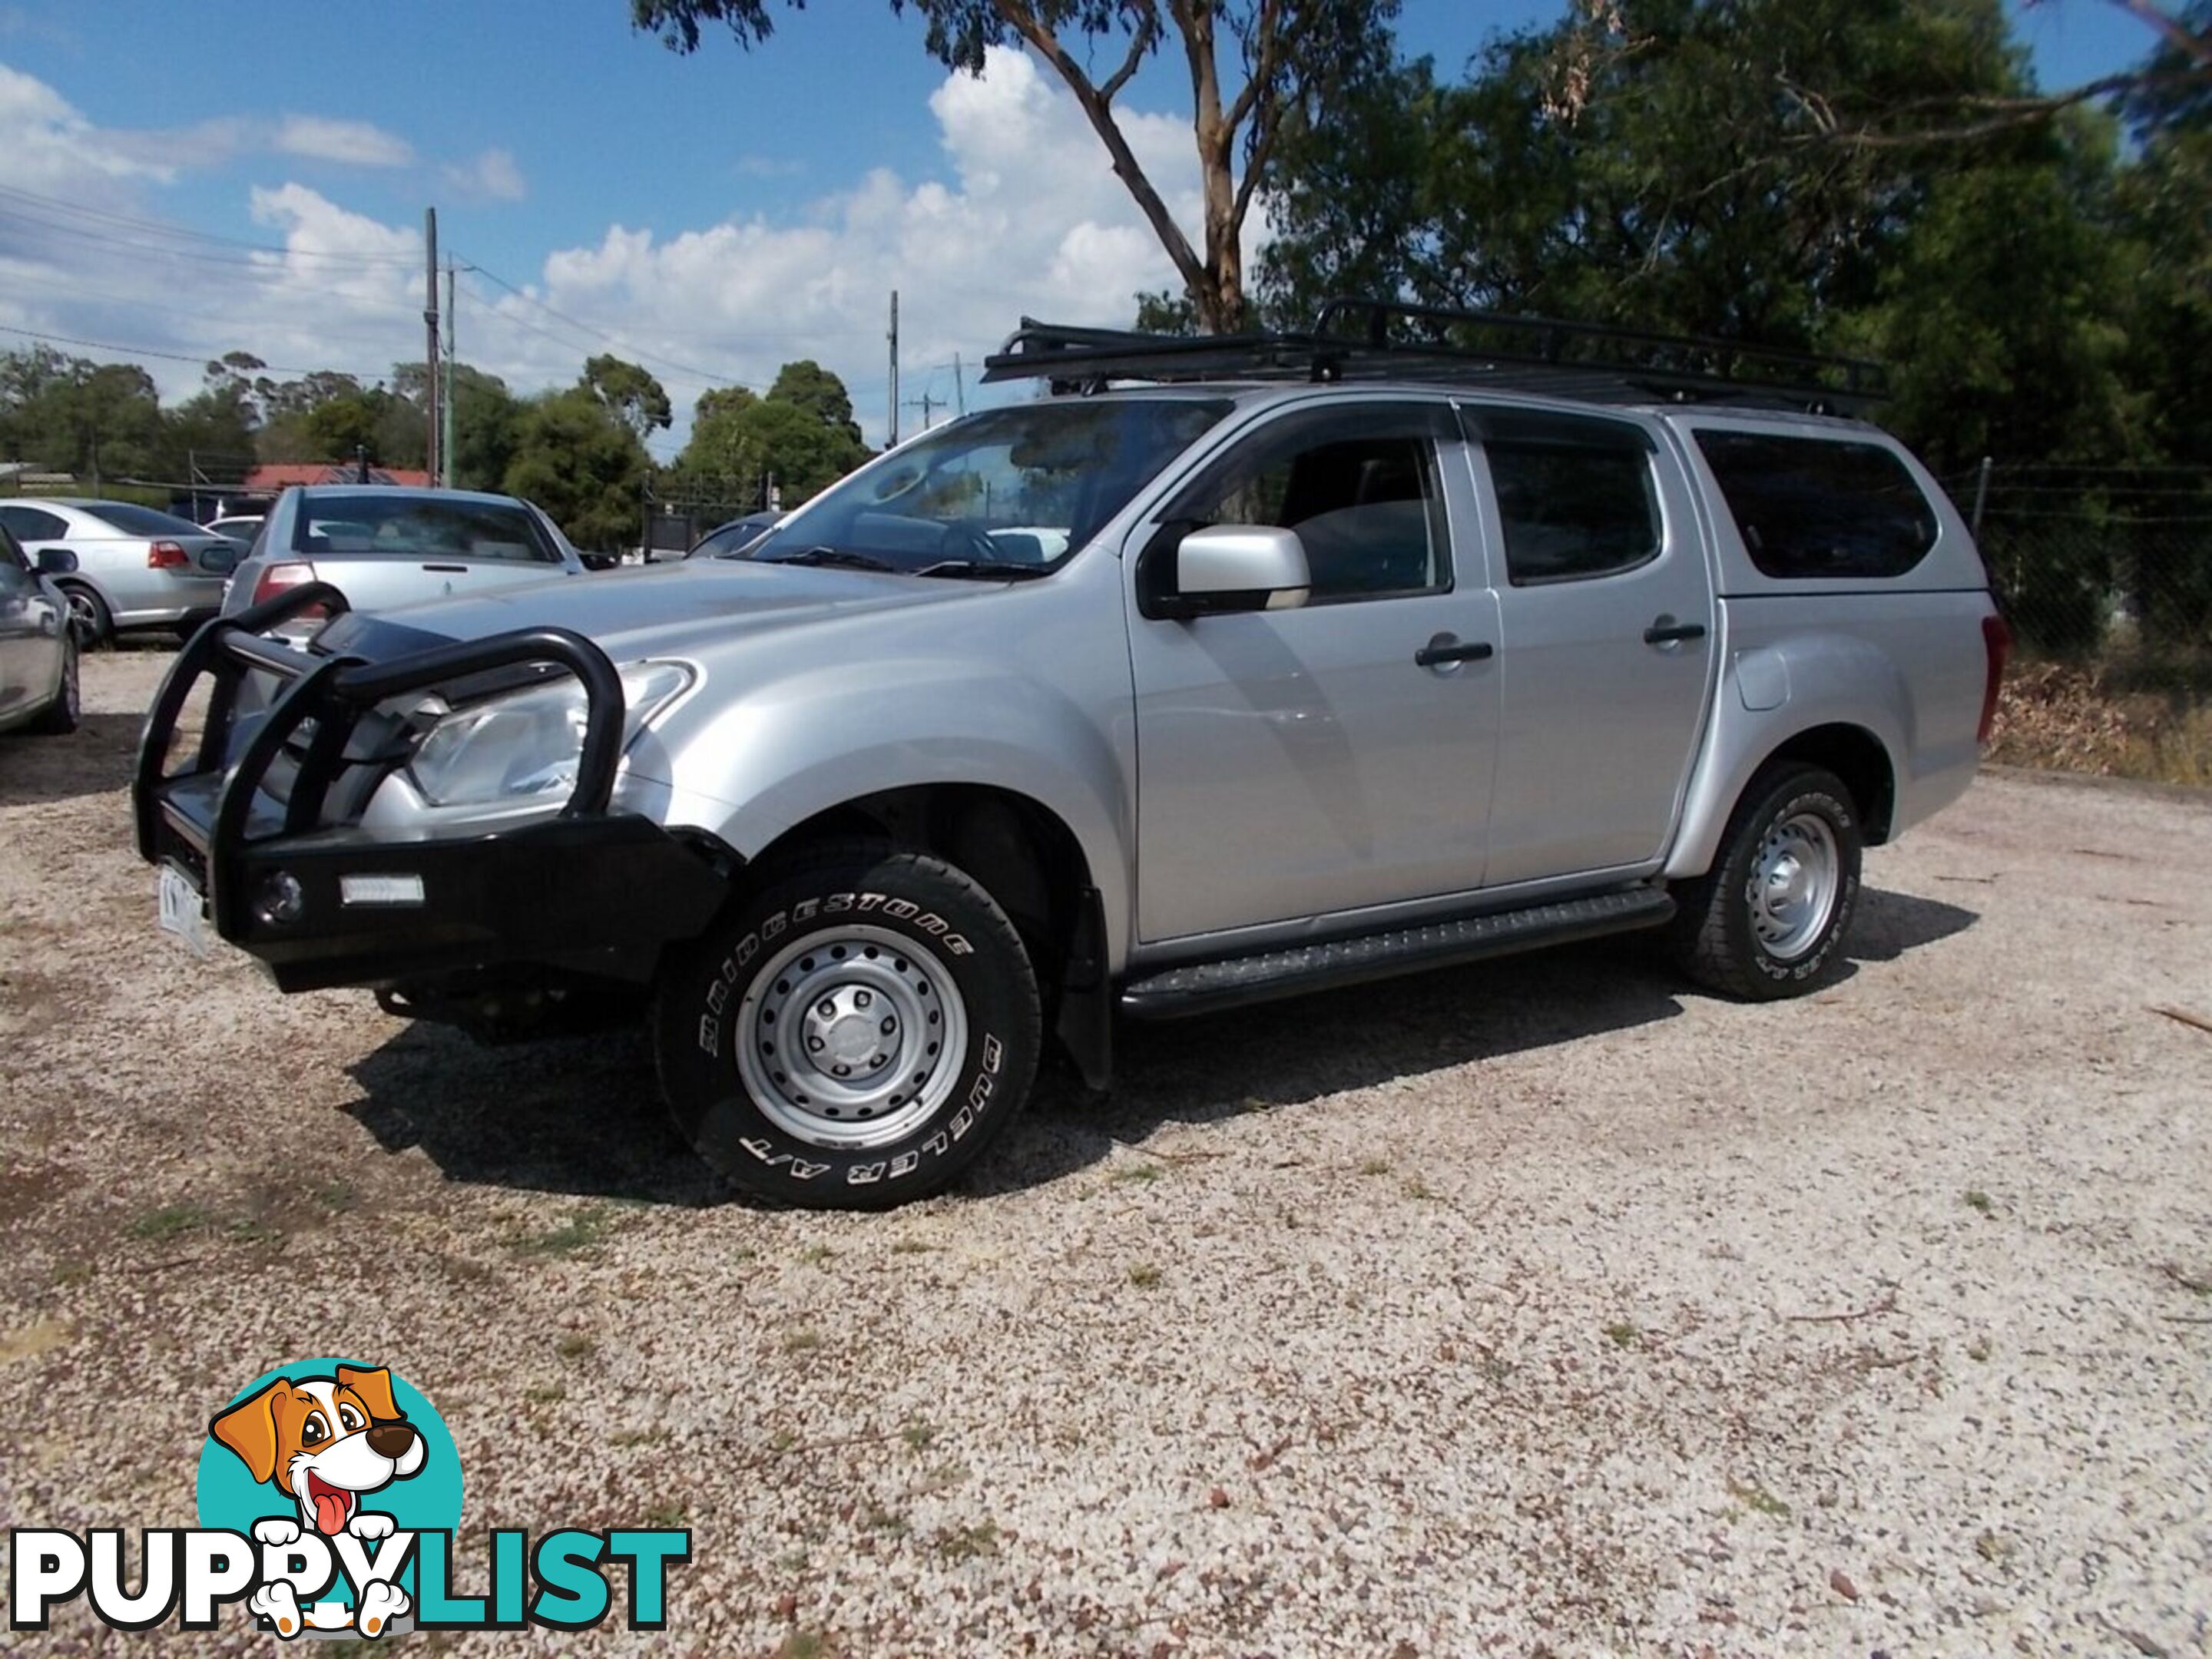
x=605 y=338
x=150 y=251
x=172 y=356
x=151 y=226
x=508 y=320
x=75 y=291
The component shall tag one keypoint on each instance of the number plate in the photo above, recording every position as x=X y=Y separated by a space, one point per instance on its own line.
x=182 y=912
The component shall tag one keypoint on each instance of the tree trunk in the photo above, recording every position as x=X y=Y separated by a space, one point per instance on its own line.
x=1218 y=297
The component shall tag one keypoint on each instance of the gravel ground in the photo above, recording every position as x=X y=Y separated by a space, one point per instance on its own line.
x=1539 y=1308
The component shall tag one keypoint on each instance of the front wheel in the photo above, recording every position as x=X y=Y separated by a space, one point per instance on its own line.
x=62 y=715
x=1769 y=920
x=854 y=1033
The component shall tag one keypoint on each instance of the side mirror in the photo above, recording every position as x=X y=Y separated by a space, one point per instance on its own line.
x=220 y=560
x=1238 y=566
x=55 y=562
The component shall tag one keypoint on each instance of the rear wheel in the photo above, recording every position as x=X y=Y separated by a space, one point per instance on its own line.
x=88 y=616
x=854 y=1033
x=1769 y=920
x=62 y=714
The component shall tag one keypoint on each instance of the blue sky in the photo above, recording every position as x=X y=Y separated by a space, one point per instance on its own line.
x=716 y=213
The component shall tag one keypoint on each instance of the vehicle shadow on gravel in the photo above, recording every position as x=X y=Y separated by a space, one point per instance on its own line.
x=578 y=1114
x=1205 y=1070
x=582 y=1115
x=96 y=757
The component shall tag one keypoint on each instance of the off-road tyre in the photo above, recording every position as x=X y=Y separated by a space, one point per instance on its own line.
x=59 y=718
x=841 y=954
x=1727 y=936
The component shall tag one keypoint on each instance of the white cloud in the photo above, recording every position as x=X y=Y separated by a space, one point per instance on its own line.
x=1025 y=215
x=354 y=143
x=768 y=166
x=491 y=177
x=51 y=148
x=1032 y=220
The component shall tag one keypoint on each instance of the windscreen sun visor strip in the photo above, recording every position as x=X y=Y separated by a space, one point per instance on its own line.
x=333 y=693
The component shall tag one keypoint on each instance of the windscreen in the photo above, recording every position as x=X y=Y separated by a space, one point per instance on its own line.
x=1022 y=487
x=419 y=527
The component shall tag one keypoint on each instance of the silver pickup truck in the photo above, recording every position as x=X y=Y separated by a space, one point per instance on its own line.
x=1234 y=669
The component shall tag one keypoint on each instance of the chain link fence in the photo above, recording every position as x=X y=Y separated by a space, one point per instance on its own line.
x=2106 y=577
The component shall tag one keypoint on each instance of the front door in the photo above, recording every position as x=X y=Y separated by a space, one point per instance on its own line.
x=29 y=631
x=1608 y=642
x=1295 y=763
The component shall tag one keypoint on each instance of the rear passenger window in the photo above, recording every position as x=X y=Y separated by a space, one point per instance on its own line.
x=1576 y=498
x=1821 y=509
x=30 y=525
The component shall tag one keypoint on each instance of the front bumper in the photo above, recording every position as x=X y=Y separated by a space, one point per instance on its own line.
x=587 y=886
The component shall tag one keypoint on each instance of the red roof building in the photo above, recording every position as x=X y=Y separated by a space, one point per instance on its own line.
x=267 y=480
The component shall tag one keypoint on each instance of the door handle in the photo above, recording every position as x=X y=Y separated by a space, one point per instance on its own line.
x=1447 y=648
x=1667 y=631
x=456 y=570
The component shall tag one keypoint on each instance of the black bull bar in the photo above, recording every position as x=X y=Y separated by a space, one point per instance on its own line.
x=556 y=888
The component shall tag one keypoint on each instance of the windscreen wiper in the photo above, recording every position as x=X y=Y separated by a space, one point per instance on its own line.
x=830 y=555
x=982 y=570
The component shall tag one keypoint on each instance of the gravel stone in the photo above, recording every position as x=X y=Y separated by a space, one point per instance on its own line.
x=1546 y=1306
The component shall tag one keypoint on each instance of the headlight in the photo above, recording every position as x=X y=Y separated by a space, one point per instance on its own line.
x=530 y=744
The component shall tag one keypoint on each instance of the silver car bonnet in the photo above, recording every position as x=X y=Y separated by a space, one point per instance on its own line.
x=677 y=610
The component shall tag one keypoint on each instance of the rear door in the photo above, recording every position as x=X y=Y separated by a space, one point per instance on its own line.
x=1607 y=648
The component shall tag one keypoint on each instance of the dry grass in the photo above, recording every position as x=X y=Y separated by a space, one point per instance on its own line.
x=2089 y=718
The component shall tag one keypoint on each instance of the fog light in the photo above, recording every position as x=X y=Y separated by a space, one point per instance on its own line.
x=379 y=889
x=281 y=901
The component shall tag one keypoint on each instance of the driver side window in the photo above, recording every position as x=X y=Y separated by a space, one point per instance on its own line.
x=1357 y=482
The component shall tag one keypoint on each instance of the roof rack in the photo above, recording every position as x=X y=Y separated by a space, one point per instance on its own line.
x=1355 y=339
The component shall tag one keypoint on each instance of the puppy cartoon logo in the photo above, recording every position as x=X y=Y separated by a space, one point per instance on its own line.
x=340 y=1447
x=329 y=1500
x=324 y=1442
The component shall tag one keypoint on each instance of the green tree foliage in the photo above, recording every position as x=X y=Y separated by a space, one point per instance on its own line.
x=1285 y=62
x=99 y=421
x=577 y=459
x=210 y=435
x=801 y=438
x=807 y=386
x=1676 y=180
x=625 y=388
x=486 y=418
x=1781 y=171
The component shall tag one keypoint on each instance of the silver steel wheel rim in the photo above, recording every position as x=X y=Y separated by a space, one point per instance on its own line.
x=852 y=1037
x=83 y=613
x=1793 y=882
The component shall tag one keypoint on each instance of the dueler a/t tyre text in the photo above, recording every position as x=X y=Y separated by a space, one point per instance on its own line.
x=1769 y=920
x=853 y=1032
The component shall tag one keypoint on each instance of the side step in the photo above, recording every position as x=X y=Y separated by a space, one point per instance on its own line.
x=1205 y=986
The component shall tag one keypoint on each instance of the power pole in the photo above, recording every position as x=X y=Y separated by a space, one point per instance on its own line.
x=446 y=413
x=925 y=404
x=893 y=443
x=430 y=341
x=959 y=389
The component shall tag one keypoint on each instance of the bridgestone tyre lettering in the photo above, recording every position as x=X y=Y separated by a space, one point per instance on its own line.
x=889 y=968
